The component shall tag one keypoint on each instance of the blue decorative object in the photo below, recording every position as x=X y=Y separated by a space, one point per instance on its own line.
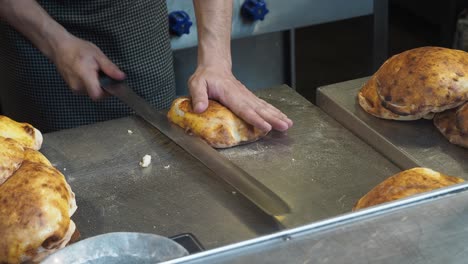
x=179 y=23
x=254 y=9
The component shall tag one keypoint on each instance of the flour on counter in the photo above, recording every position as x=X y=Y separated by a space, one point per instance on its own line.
x=145 y=161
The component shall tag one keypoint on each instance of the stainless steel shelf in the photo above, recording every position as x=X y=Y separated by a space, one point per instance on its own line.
x=406 y=143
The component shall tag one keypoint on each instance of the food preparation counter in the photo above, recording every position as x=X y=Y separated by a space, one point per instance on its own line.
x=318 y=167
x=406 y=143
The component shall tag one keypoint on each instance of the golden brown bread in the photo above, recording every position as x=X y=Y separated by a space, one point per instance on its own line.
x=36 y=205
x=11 y=157
x=36 y=156
x=35 y=200
x=369 y=100
x=404 y=184
x=12 y=154
x=424 y=80
x=218 y=126
x=24 y=133
x=453 y=125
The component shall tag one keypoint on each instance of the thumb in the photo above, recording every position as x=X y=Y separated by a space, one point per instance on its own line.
x=109 y=68
x=199 y=92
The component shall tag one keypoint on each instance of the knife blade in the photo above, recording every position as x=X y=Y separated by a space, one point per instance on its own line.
x=244 y=183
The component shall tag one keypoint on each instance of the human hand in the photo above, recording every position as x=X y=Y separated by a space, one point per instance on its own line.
x=79 y=63
x=220 y=84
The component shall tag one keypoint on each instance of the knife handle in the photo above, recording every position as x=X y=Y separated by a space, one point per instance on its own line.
x=106 y=81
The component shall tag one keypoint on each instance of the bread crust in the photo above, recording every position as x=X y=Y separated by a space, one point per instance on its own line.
x=404 y=184
x=218 y=126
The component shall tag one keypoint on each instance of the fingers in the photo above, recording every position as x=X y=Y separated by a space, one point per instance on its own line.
x=253 y=118
x=109 y=68
x=272 y=118
x=199 y=93
x=261 y=114
x=93 y=87
x=277 y=113
x=219 y=84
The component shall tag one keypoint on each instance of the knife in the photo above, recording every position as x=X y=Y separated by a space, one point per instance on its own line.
x=239 y=179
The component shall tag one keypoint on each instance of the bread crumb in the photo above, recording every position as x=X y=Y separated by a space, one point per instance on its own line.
x=167 y=167
x=145 y=161
x=130 y=132
x=64 y=169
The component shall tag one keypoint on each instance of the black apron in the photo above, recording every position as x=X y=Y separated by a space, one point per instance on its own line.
x=133 y=34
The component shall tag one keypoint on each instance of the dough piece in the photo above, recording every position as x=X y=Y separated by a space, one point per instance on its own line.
x=404 y=184
x=35 y=208
x=424 y=80
x=453 y=125
x=218 y=126
x=24 y=133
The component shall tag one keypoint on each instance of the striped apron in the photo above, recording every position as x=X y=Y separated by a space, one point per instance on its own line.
x=132 y=33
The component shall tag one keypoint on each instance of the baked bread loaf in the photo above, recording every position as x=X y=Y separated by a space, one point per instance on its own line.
x=36 y=202
x=11 y=157
x=453 y=124
x=218 y=126
x=404 y=184
x=417 y=83
x=36 y=205
x=371 y=103
x=24 y=133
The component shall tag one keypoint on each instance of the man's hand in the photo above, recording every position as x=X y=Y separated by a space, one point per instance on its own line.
x=221 y=85
x=79 y=63
x=213 y=77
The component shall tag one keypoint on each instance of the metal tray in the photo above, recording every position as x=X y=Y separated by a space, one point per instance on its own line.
x=119 y=247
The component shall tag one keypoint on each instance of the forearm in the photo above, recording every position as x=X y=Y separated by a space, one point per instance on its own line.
x=31 y=20
x=214 y=32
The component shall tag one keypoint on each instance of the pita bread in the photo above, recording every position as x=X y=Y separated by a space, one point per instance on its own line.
x=453 y=125
x=404 y=184
x=36 y=205
x=35 y=156
x=369 y=100
x=218 y=126
x=422 y=81
x=24 y=133
x=11 y=157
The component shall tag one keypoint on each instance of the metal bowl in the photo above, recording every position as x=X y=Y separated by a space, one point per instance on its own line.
x=119 y=247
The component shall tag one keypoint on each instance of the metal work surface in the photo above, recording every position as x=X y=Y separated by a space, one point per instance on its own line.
x=407 y=143
x=424 y=229
x=319 y=168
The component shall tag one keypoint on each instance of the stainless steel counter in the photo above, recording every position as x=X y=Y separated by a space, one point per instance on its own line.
x=425 y=229
x=406 y=143
x=318 y=167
